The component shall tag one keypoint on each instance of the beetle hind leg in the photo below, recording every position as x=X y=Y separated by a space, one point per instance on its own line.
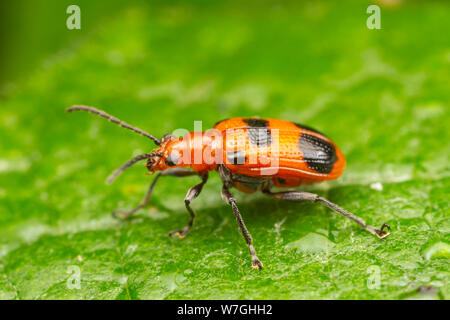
x=307 y=196
x=381 y=233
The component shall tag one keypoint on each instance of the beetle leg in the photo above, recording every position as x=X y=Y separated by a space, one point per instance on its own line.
x=306 y=196
x=174 y=172
x=191 y=195
x=228 y=198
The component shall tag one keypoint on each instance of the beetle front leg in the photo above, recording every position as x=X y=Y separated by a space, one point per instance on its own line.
x=307 y=196
x=191 y=195
x=228 y=198
x=174 y=172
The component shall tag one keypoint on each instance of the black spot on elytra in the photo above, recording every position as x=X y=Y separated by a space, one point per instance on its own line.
x=320 y=155
x=256 y=123
x=172 y=159
x=236 y=157
x=301 y=126
x=258 y=132
x=281 y=180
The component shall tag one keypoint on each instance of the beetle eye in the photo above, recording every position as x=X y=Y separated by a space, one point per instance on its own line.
x=172 y=159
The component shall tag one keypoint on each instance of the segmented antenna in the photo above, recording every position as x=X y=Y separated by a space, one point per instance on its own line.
x=128 y=164
x=114 y=120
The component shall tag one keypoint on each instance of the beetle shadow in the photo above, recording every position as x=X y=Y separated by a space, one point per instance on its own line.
x=260 y=214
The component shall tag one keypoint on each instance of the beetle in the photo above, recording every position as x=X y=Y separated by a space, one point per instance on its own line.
x=298 y=155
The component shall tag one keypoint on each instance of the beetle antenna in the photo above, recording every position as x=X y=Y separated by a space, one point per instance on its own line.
x=114 y=120
x=128 y=164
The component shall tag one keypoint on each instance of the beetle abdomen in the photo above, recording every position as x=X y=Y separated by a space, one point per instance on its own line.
x=271 y=147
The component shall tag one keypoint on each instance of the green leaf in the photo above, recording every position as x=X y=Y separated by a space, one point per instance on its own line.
x=381 y=95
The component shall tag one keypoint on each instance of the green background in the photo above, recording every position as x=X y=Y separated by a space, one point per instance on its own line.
x=381 y=95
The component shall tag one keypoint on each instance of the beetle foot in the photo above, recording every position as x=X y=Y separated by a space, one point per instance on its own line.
x=256 y=264
x=381 y=233
x=181 y=233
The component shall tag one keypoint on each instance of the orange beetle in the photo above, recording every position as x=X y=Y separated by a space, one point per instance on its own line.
x=250 y=154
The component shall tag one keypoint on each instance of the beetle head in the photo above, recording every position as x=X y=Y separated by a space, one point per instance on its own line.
x=166 y=156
